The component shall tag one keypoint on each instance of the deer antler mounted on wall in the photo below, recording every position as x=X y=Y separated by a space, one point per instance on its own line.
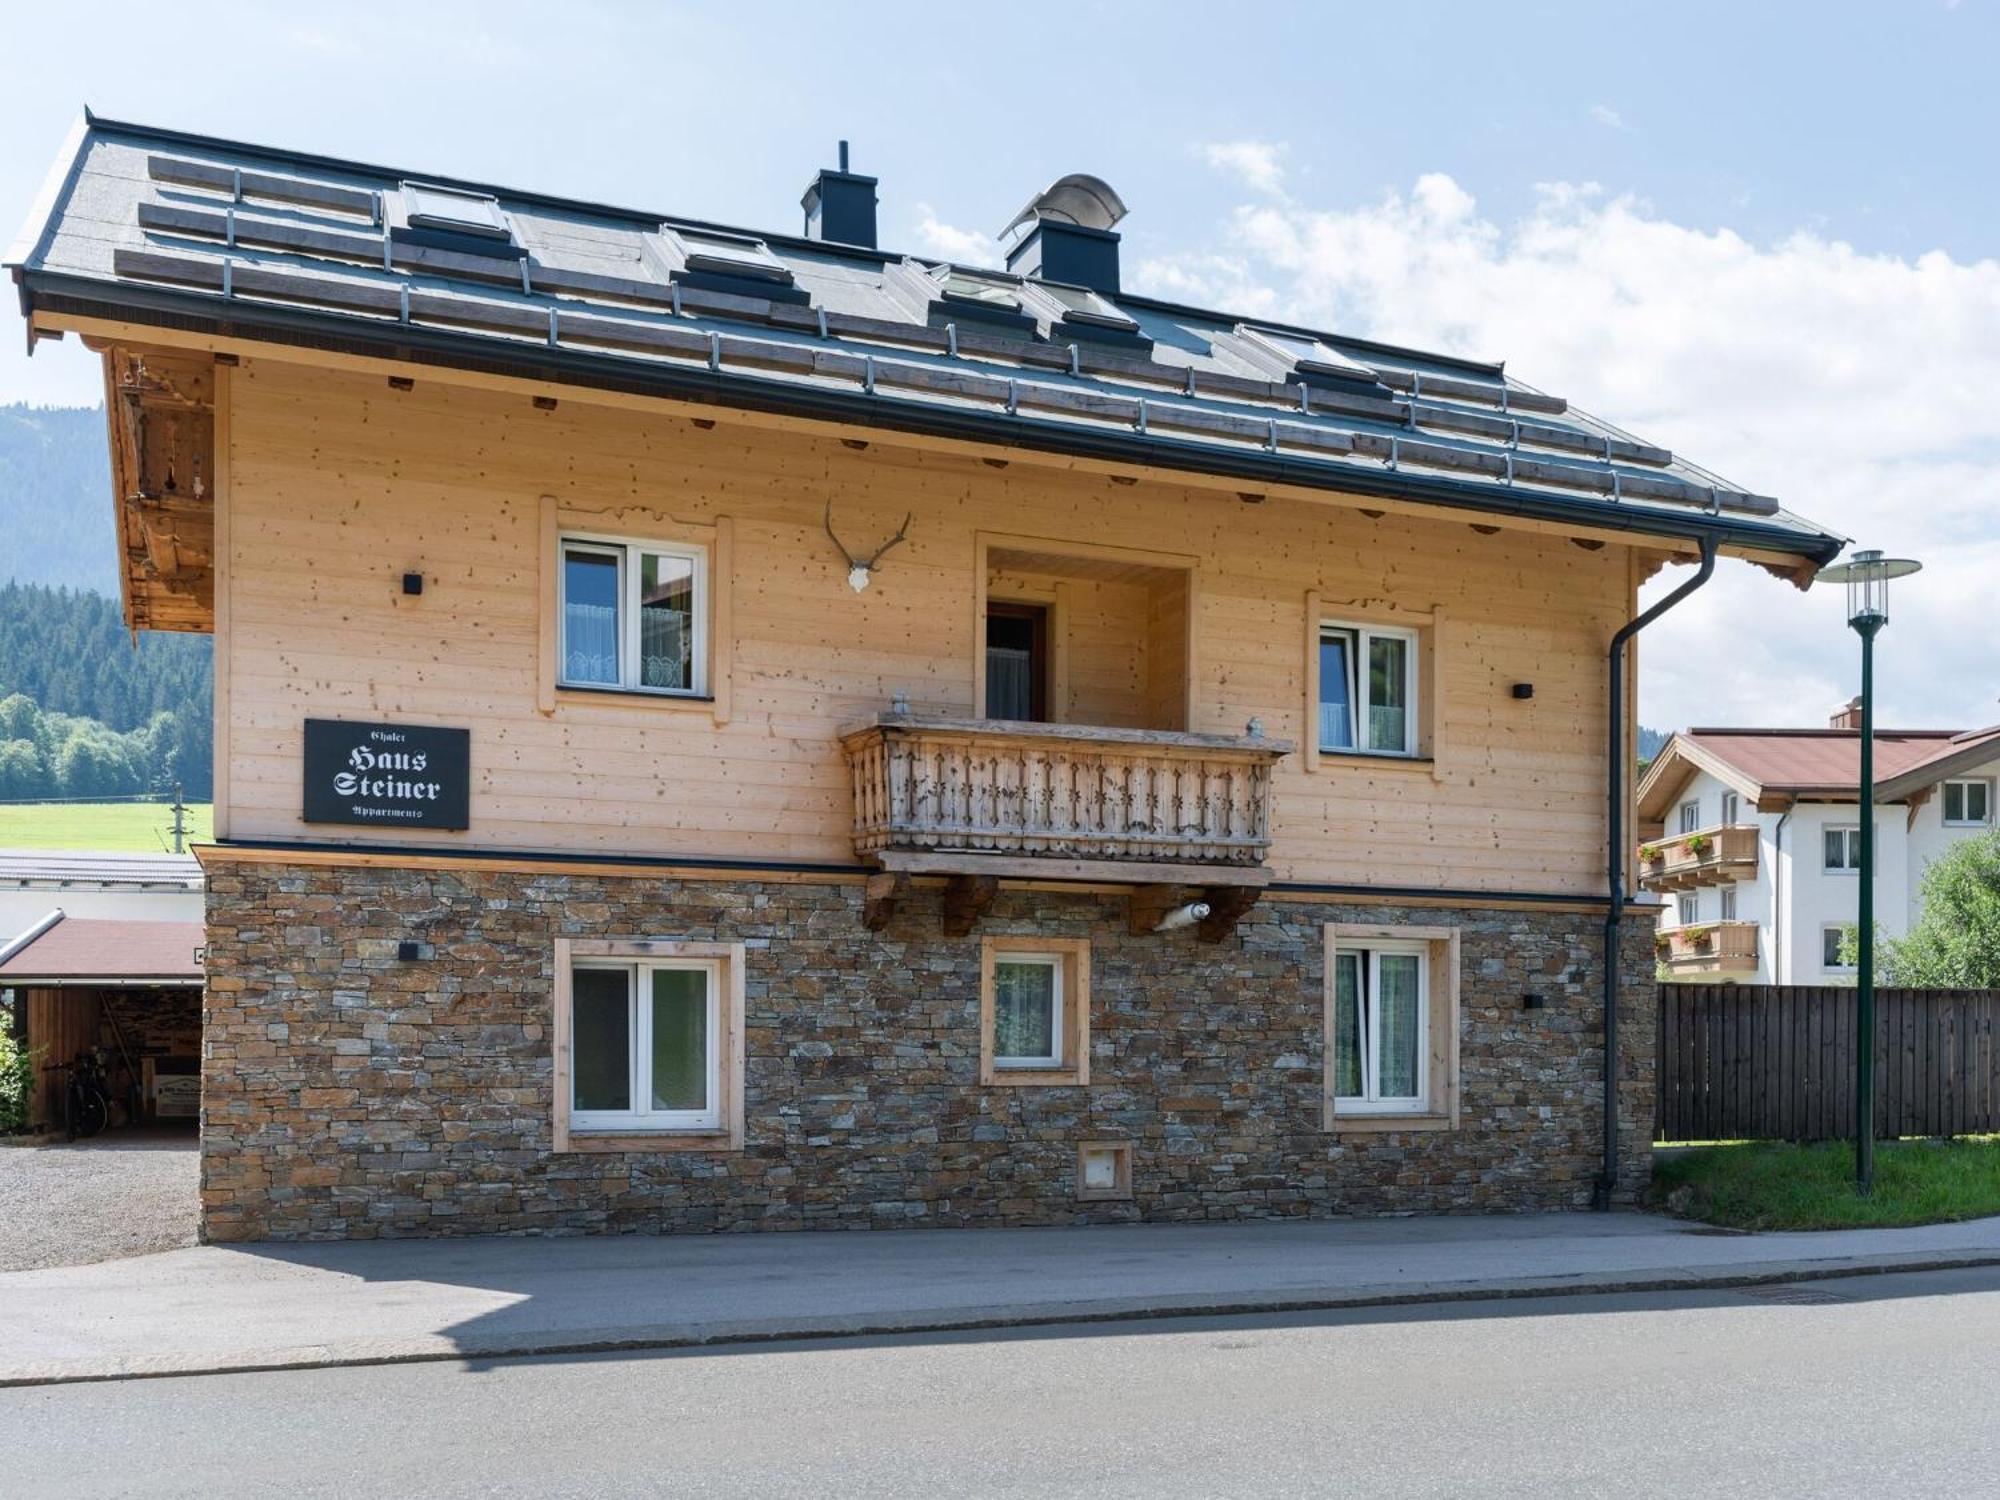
x=859 y=568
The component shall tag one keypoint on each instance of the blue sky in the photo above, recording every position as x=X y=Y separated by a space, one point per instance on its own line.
x=1762 y=234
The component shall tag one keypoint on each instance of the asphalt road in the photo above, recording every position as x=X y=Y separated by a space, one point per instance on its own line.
x=1872 y=1386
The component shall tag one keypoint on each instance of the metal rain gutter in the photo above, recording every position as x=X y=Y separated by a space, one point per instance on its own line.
x=1614 y=781
x=205 y=312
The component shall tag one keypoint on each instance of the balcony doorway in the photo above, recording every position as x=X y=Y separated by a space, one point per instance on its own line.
x=1017 y=662
x=1085 y=635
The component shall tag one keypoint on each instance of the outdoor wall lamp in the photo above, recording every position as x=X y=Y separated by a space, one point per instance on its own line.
x=1182 y=916
x=1867 y=576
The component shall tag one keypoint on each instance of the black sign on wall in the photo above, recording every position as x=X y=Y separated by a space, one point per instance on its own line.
x=387 y=775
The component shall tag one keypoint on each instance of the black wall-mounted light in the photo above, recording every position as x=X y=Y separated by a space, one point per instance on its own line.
x=413 y=583
x=408 y=952
x=1534 y=1002
x=1524 y=690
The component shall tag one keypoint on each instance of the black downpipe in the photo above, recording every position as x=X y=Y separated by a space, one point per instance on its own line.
x=1614 y=914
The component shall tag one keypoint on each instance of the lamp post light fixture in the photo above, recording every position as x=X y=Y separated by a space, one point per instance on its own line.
x=1867 y=576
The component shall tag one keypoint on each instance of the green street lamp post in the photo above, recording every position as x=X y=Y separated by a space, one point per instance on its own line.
x=1867 y=577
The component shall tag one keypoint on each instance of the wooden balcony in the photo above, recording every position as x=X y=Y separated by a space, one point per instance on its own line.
x=1711 y=856
x=1708 y=948
x=984 y=799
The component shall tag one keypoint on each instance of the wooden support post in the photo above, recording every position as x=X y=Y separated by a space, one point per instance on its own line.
x=965 y=898
x=1226 y=906
x=1147 y=904
x=879 y=905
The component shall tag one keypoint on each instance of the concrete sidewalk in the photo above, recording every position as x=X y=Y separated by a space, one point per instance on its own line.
x=276 y=1307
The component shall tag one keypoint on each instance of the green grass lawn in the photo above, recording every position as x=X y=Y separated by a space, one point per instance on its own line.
x=1773 y=1185
x=133 y=827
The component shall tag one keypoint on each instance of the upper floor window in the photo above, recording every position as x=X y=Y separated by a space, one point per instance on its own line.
x=1687 y=908
x=1729 y=809
x=1833 y=949
x=1368 y=689
x=1691 y=815
x=1727 y=910
x=1843 y=850
x=633 y=616
x=1381 y=1026
x=1968 y=804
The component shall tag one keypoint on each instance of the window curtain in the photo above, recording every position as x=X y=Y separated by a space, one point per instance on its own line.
x=590 y=618
x=1010 y=683
x=1336 y=677
x=1400 y=1025
x=1024 y=1005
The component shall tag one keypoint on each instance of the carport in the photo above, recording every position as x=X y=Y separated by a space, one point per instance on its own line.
x=129 y=988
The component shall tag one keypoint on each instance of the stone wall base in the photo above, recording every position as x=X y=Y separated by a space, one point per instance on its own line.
x=347 y=1094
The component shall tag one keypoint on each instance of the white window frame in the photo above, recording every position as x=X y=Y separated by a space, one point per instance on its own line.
x=1730 y=810
x=1687 y=908
x=1851 y=836
x=1691 y=815
x=1726 y=904
x=628 y=551
x=1370 y=1100
x=1054 y=963
x=1964 y=785
x=1832 y=968
x=639 y=1028
x=1357 y=685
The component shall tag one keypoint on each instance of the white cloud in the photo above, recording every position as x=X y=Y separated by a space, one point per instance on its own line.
x=948 y=242
x=1857 y=388
x=1258 y=165
x=1608 y=117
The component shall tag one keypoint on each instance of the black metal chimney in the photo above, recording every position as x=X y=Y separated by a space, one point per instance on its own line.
x=1069 y=236
x=840 y=206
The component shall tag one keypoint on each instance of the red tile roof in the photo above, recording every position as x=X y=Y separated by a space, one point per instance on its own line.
x=1797 y=760
x=76 y=950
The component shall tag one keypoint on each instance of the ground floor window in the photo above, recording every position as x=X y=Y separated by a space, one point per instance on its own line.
x=1391 y=1027
x=649 y=1042
x=1034 y=1010
x=1833 y=949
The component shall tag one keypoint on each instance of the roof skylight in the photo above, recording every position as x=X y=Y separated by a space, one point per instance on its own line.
x=1081 y=305
x=454 y=211
x=987 y=291
x=1307 y=354
x=720 y=253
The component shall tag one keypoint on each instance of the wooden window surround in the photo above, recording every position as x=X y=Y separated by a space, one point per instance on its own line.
x=1074 y=957
x=1442 y=1022
x=632 y=524
x=728 y=958
x=1103 y=1171
x=1428 y=627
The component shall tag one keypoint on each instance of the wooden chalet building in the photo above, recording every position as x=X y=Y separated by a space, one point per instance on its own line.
x=722 y=729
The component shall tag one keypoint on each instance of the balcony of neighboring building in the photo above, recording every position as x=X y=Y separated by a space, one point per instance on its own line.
x=1708 y=949
x=1709 y=856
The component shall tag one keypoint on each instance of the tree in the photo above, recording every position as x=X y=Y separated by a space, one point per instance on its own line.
x=1956 y=944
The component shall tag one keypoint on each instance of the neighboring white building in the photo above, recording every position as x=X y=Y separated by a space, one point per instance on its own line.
x=1752 y=837
x=123 y=887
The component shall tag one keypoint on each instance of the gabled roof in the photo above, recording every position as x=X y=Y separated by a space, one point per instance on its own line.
x=64 y=950
x=1825 y=764
x=155 y=226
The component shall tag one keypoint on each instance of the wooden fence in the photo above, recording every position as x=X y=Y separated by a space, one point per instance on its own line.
x=1776 y=1062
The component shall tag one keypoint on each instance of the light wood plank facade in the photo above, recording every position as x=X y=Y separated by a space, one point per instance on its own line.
x=337 y=484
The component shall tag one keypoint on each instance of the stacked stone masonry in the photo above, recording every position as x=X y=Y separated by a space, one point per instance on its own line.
x=350 y=1094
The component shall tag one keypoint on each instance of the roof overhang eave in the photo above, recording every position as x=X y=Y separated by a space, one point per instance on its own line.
x=206 y=313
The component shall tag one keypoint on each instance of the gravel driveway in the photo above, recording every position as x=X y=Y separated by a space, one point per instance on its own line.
x=125 y=1193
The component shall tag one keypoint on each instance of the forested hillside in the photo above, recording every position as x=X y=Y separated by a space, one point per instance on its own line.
x=55 y=498
x=83 y=711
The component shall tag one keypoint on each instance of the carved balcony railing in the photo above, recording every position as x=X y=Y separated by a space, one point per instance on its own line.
x=1708 y=948
x=982 y=795
x=1712 y=856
